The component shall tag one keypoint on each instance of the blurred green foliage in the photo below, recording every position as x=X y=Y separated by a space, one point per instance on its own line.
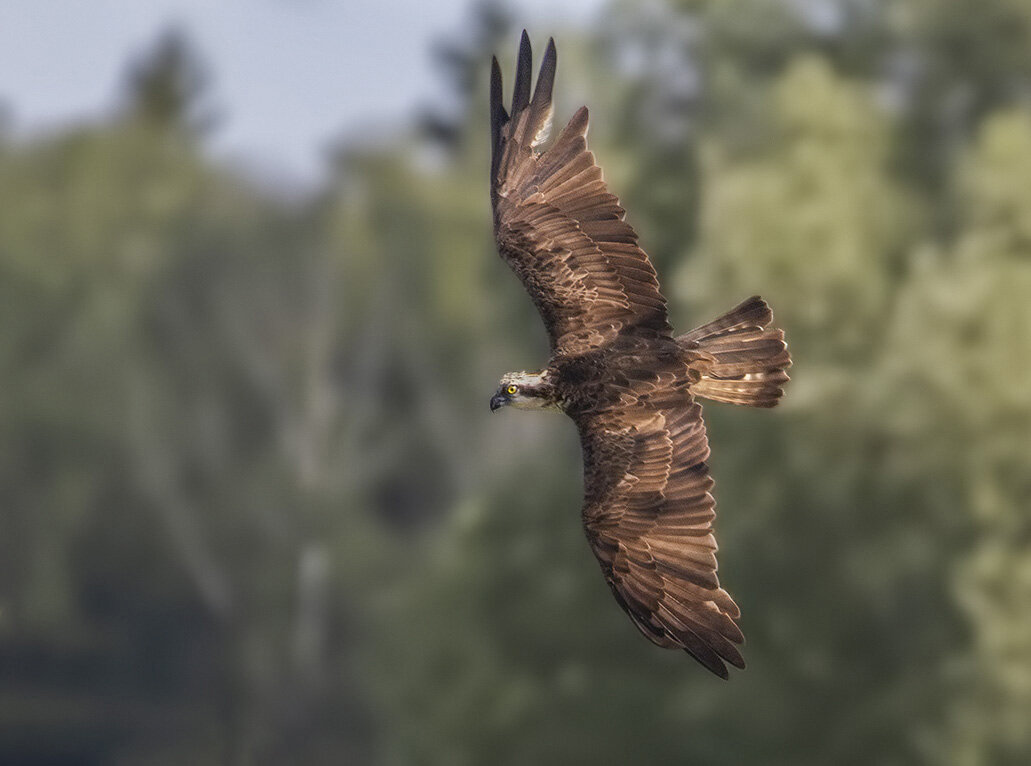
x=255 y=507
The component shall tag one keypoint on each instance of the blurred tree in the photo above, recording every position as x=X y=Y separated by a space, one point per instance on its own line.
x=973 y=296
x=256 y=509
x=170 y=456
x=954 y=63
x=460 y=62
x=815 y=212
x=166 y=84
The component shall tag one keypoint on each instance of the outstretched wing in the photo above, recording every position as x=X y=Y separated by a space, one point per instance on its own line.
x=648 y=514
x=557 y=225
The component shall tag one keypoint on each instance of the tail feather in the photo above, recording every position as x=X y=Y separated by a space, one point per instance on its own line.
x=744 y=359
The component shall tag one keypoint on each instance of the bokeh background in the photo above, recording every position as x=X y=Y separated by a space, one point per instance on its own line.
x=255 y=509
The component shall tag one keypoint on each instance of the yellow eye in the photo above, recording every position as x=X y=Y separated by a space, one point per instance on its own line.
x=511 y=390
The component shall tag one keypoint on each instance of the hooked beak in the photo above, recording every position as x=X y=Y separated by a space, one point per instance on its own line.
x=497 y=401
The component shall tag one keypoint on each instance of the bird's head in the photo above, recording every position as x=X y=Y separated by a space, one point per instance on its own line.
x=525 y=390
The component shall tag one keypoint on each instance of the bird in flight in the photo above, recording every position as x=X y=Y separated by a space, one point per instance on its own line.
x=617 y=370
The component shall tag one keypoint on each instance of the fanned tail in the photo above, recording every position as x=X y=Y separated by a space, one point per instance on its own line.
x=748 y=356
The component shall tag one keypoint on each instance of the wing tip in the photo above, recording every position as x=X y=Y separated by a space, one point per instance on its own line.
x=495 y=86
x=581 y=119
x=524 y=72
x=546 y=77
x=498 y=115
x=717 y=662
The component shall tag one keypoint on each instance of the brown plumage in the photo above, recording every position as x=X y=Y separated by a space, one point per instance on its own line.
x=617 y=370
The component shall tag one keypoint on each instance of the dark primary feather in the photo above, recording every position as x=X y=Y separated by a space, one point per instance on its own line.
x=521 y=92
x=546 y=78
x=498 y=115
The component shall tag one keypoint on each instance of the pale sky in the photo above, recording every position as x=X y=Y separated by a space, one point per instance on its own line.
x=289 y=75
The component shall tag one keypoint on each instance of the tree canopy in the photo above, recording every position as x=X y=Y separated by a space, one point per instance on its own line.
x=257 y=510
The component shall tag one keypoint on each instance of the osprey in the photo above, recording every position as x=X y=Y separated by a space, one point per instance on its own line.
x=618 y=371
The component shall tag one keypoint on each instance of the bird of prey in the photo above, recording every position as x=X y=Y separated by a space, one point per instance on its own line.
x=617 y=370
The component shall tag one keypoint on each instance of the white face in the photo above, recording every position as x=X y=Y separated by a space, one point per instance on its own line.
x=515 y=390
